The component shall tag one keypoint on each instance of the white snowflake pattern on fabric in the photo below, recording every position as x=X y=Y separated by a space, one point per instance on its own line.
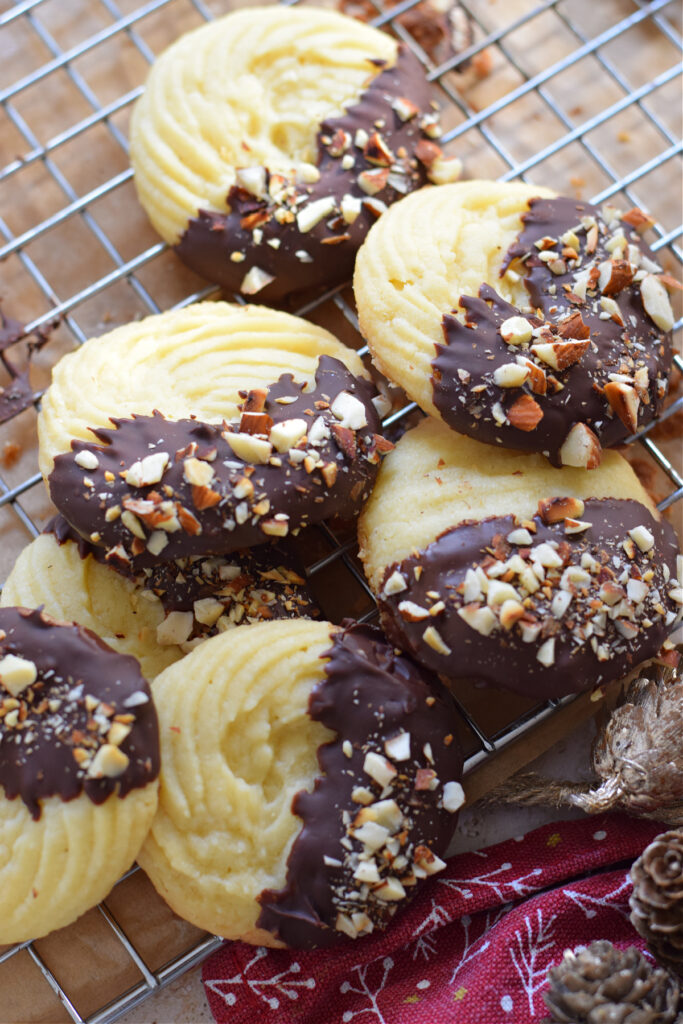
x=617 y=899
x=371 y=995
x=474 y=947
x=283 y=983
x=425 y=941
x=503 y=888
x=527 y=953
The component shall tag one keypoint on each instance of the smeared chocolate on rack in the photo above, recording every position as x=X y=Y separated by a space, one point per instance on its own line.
x=18 y=394
x=75 y=716
x=216 y=592
x=586 y=364
x=171 y=489
x=579 y=594
x=282 y=235
x=382 y=812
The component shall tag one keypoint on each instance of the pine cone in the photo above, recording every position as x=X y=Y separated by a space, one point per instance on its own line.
x=639 y=754
x=605 y=985
x=657 y=899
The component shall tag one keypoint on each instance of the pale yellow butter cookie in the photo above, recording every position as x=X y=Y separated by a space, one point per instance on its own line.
x=188 y=362
x=493 y=565
x=157 y=614
x=291 y=766
x=267 y=142
x=207 y=430
x=79 y=760
x=522 y=319
x=76 y=589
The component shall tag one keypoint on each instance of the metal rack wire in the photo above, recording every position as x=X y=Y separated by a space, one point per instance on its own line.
x=587 y=35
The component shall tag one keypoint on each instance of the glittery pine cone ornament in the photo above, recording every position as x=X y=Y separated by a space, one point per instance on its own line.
x=605 y=985
x=637 y=757
x=639 y=754
x=657 y=898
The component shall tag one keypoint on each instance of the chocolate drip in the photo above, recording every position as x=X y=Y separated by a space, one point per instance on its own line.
x=328 y=471
x=549 y=648
x=59 y=733
x=593 y=340
x=253 y=584
x=370 y=695
x=325 y=254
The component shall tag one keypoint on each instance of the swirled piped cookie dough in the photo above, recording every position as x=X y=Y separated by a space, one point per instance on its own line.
x=79 y=760
x=267 y=142
x=522 y=319
x=159 y=613
x=310 y=781
x=496 y=566
x=234 y=425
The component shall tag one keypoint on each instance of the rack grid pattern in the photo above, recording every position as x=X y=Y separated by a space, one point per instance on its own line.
x=587 y=35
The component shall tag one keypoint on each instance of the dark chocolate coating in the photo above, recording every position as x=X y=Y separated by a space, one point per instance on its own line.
x=254 y=584
x=371 y=694
x=475 y=349
x=212 y=237
x=503 y=658
x=209 y=517
x=45 y=752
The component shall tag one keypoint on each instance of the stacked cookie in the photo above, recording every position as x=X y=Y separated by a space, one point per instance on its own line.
x=310 y=774
x=535 y=330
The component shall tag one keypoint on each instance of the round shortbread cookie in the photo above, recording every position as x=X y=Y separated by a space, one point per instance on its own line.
x=450 y=540
x=564 y=346
x=158 y=614
x=267 y=142
x=76 y=589
x=188 y=362
x=280 y=430
x=80 y=791
x=293 y=722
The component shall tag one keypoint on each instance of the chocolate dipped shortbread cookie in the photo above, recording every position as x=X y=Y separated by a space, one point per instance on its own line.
x=214 y=446
x=79 y=760
x=310 y=781
x=522 y=319
x=267 y=142
x=157 y=613
x=494 y=566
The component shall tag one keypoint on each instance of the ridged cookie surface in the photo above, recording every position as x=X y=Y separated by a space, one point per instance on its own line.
x=311 y=779
x=54 y=869
x=528 y=321
x=435 y=479
x=237 y=746
x=156 y=614
x=79 y=760
x=494 y=566
x=420 y=257
x=189 y=362
x=247 y=89
x=82 y=590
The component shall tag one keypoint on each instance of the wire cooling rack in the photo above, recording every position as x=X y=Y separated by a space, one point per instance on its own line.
x=581 y=96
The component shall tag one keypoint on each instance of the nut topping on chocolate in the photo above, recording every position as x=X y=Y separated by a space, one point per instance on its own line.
x=585 y=364
x=589 y=589
x=173 y=489
x=203 y=596
x=75 y=716
x=382 y=812
x=287 y=231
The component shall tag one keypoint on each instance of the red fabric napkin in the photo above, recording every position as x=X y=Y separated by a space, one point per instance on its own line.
x=474 y=946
